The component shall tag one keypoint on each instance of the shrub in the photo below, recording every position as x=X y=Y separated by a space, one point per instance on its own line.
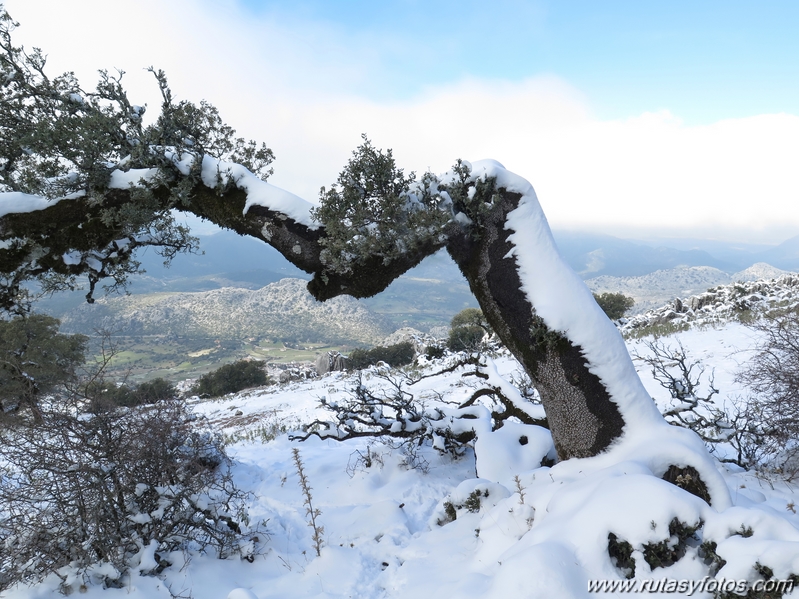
x=465 y=338
x=615 y=305
x=467 y=329
x=149 y=392
x=395 y=355
x=35 y=359
x=231 y=378
x=435 y=351
x=92 y=491
x=772 y=375
x=470 y=317
x=155 y=390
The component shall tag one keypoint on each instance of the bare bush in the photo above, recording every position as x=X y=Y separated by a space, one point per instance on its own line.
x=772 y=376
x=734 y=423
x=395 y=417
x=84 y=494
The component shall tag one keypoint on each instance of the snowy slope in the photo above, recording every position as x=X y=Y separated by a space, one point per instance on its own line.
x=721 y=304
x=382 y=533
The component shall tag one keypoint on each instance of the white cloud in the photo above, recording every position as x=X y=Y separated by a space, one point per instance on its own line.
x=650 y=171
x=292 y=86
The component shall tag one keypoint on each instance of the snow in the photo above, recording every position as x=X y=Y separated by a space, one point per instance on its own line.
x=131 y=178
x=541 y=532
x=259 y=193
x=16 y=202
x=72 y=258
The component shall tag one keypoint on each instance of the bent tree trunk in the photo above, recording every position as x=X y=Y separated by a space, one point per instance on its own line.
x=538 y=306
x=581 y=415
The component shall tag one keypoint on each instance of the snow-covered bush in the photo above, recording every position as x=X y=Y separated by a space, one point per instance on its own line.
x=231 y=378
x=393 y=415
x=91 y=496
x=735 y=423
x=760 y=430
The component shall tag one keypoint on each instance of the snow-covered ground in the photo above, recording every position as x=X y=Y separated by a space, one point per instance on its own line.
x=536 y=532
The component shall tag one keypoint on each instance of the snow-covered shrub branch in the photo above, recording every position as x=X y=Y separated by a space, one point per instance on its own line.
x=681 y=376
x=772 y=375
x=735 y=424
x=393 y=414
x=91 y=496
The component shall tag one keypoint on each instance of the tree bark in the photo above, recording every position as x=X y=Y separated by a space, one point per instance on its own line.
x=583 y=419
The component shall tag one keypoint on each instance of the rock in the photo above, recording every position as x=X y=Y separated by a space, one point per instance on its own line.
x=330 y=362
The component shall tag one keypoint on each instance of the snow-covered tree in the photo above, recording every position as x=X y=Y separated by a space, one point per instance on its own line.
x=84 y=183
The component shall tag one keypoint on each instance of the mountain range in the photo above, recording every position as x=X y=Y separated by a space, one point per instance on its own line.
x=279 y=311
x=232 y=260
x=232 y=288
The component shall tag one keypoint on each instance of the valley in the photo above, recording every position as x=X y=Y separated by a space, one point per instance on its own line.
x=242 y=299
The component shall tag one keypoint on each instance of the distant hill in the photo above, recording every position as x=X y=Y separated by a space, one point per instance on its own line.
x=429 y=295
x=785 y=255
x=593 y=255
x=660 y=287
x=758 y=271
x=279 y=311
x=656 y=288
x=738 y=254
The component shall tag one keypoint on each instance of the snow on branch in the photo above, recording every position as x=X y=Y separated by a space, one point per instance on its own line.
x=395 y=414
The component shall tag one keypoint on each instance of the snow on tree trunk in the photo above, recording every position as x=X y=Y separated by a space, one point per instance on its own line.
x=581 y=415
x=595 y=402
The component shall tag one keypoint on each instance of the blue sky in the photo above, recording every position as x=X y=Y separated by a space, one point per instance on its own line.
x=629 y=118
x=704 y=61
